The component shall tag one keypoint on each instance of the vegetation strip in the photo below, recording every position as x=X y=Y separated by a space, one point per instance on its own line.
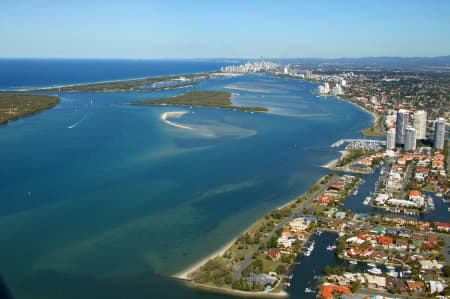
x=215 y=99
x=134 y=84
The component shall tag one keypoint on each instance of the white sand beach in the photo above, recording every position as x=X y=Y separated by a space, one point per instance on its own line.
x=175 y=114
x=185 y=274
x=332 y=163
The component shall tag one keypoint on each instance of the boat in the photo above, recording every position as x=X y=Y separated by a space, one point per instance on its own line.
x=375 y=271
x=390 y=268
x=392 y=274
x=308 y=290
x=353 y=262
x=372 y=265
x=331 y=247
x=439 y=194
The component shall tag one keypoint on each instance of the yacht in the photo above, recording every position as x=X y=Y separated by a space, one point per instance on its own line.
x=353 y=262
x=390 y=268
x=392 y=274
x=308 y=290
x=375 y=271
x=372 y=265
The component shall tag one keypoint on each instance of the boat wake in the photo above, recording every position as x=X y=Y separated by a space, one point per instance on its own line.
x=78 y=122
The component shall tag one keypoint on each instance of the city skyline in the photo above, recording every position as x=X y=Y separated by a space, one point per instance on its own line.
x=174 y=29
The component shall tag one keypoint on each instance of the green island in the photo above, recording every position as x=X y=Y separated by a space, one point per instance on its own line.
x=134 y=84
x=215 y=99
x=17 y=105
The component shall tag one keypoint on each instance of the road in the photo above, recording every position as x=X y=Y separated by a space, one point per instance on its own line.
x=367 y=292
x=297 y=212
x=405 y=182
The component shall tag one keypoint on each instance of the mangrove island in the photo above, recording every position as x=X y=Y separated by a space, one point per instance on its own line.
x=17 y=105
x=215 y=99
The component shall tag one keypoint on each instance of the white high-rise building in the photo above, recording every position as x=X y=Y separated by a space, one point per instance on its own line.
x=420 y=124
x=439 y=133
x=410 y=139
x=343 y=82
x=401 y=125
x=326 y=87
x=308 y=74
x=337 y=90
x=390 y=139
x=321 y=89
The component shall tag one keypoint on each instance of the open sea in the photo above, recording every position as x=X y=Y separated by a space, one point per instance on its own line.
x=104 y=200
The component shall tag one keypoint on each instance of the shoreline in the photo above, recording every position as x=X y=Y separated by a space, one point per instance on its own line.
x=175 y=114
x=261 y=294
x=184 y=275
x=332 y=163
x=31 y=89
x=375 y=116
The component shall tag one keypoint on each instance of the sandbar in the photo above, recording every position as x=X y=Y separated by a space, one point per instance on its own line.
x=247 y=89
x=176 y=114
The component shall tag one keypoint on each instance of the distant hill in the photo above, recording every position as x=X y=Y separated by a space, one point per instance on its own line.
x=384 y=62
x=440 y=61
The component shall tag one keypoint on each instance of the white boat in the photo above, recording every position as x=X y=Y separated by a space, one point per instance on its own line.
x=308 y=290
x=372 y=265
x=375 y=271
x=438 y=194
x=331 y=247
x=392 y=274
x=353 y=262
x=389 y=267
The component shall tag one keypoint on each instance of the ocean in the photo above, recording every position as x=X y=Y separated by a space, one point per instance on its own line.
x=105 y=200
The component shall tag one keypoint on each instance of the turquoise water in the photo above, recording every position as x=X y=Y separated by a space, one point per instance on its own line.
x=121 y=197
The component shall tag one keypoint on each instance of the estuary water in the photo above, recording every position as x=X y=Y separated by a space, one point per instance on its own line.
x=103 y=200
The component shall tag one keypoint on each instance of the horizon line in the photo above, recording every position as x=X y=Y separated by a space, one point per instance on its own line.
x=226 y=58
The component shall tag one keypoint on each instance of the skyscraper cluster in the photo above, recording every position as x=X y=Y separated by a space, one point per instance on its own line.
x=407 y=135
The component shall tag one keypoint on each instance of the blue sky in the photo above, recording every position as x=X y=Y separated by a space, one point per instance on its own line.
x=209 y=29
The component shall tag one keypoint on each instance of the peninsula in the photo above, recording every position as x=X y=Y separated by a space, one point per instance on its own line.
x=142 y=84
x=17 y=105
x=215 y=99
